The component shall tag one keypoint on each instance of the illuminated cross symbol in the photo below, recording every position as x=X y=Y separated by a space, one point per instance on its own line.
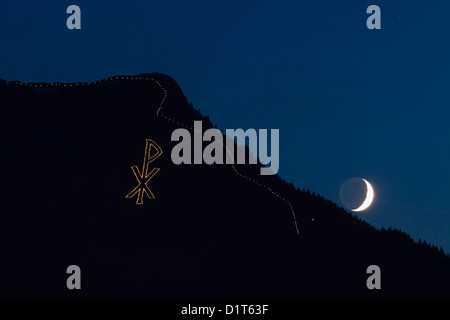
x=152 y=151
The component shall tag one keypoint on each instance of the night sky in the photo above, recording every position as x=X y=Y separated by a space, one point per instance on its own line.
x=349 y=102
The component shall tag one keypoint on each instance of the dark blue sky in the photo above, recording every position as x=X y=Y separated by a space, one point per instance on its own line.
x=349 y=102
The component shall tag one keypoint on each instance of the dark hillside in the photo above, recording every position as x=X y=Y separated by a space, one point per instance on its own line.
x=210 y=233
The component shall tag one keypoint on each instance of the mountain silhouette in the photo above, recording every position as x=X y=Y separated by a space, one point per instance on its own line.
x=211 y=232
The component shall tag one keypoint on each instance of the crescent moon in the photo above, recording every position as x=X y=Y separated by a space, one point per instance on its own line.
x=369 y=198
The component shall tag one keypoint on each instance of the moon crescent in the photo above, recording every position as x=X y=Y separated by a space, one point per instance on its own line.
x=369 y=198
